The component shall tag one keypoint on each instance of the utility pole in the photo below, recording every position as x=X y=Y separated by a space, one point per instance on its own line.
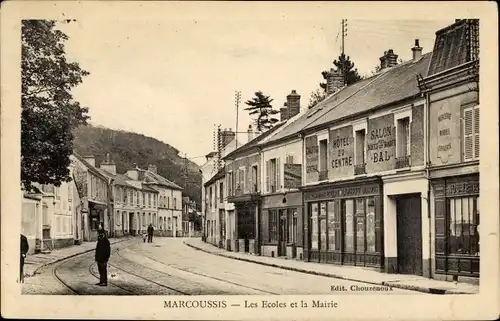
x=237 y=99
x=344 y=34
x=185 y=170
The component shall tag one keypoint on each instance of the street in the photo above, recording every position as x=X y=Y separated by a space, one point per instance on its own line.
x=169 y=267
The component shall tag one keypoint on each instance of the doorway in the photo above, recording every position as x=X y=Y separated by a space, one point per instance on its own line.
x=282 y=232
x=409 y=234
x=131 y=224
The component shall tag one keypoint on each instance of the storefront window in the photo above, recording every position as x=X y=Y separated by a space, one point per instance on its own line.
x=273 y=226
x=370 y=225
x=314 y=226
x=463 y=220
x=322 y=227
x=331 y=226
x=349 y=230
x=360 y=226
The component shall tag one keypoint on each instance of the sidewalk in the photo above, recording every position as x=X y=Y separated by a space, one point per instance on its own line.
x=351 y=273
x=36 y=261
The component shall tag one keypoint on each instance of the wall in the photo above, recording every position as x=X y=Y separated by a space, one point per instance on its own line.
x=293 y=149
x=247 y=163
x=31 y=221
x=381 y=144
x=446 y=118
x=341 y=153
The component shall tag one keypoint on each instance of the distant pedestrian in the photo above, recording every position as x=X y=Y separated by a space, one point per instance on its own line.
x=150 y=233
x=102 y=254
x=144 y=237
x=24 y=251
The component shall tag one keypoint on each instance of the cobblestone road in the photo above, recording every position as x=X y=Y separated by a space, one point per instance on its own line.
x=169 y=267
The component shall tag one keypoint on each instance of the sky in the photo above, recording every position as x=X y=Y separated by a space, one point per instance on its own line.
x=174 y=77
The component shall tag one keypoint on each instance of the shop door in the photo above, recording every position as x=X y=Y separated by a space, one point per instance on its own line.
x=409 y=234
x=282 y=233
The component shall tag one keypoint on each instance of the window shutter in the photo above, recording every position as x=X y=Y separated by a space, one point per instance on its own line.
x=268 y=167
x=468 y=134
x=278 y=176
x=476 y=132
x=250 y=180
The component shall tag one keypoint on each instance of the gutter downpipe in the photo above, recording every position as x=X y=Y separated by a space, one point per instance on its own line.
x=427 y=175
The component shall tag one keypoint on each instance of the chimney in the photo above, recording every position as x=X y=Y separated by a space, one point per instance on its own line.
x=226 y=136
x=153 y=169
x=108 y=165
x=417 y=51
x=284 y=112
x=334 y=81
x=133 y=173
x=90 y=159
x=250 y=132
x=293 y=104
x=388 y=60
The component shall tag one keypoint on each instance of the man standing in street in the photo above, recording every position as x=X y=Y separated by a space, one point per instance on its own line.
x=102 y=254
x=24 y=250
x=150 y=233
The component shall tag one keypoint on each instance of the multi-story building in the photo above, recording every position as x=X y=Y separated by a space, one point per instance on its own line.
x=281 y=177
x=244 y=186
x=92 y=187
x=225 y=142
x=451 y=89
x=50 y=216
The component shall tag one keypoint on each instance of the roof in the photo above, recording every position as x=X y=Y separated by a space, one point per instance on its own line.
x=94 y=170
x=220 y=174
x=389 y=86
x=394 y=85
x=149 y=188
x=254 y=142
x=454 y=45
x=154 y=178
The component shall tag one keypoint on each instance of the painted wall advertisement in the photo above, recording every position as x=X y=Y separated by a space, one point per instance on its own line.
x=312 y=153
x=341 y=153
x=381 y=144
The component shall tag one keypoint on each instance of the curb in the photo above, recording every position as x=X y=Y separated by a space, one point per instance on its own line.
x=385 y=283
x=36 y=271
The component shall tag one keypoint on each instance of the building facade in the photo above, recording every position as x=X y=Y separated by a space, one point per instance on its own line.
x=451 y=89
x=92 y=187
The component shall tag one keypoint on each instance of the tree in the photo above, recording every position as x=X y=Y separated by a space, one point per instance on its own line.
x=344 y=63
x=316 y=97
x=49 y=113
x=260 y=106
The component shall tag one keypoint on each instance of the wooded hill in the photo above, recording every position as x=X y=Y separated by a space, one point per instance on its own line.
x=127 y=149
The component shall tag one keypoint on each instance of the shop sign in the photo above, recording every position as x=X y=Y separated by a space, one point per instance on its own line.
x=342 y=192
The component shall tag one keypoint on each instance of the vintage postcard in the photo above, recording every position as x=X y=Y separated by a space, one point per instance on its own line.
x=249 y=160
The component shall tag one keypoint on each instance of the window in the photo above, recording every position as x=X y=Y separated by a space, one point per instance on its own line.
x=209 y=199
x=168 y=202
x=136 y=197
x=175 y=201
x=322 y=226
x=370 y=226
x=229 y=183
x=349 y=230
x=255 y=179
x=143 y=219
x=221 y=192
x=289 y=159
x=360 y=154
x=333 y=221
x=273 y=226
x=117 y=218
x=273 y=175
x=463 y=219
x=471 y=133
x=314 y=226
x=154 y=219
x=323 y=156
x=360 y=226
x=403 y=132
x=169 y=223
x=241 y=180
